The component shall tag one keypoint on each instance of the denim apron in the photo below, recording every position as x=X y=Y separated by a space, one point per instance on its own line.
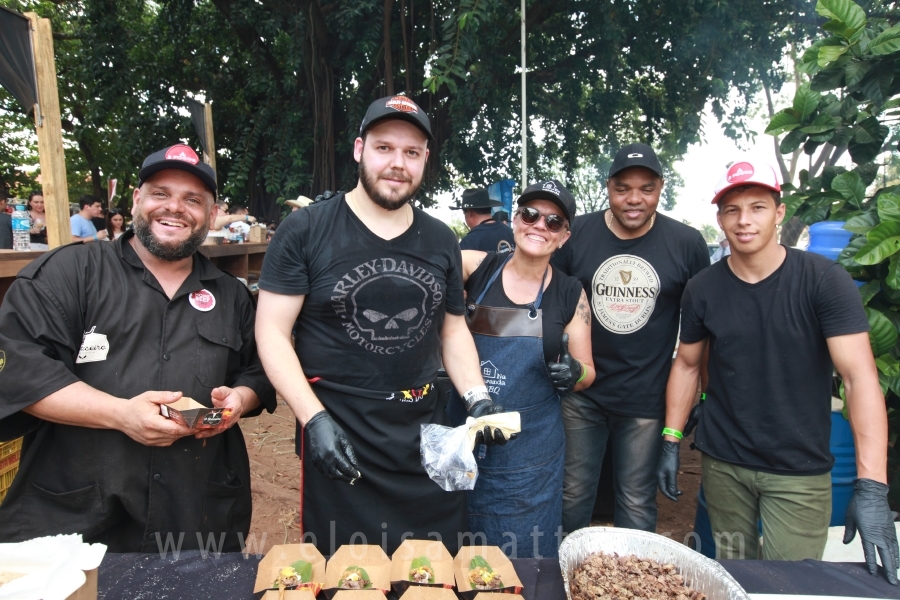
x=517 y=500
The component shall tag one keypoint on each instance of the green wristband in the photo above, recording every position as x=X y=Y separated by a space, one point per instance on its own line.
x=702 y=396
x=673 y=432
x=583 y=372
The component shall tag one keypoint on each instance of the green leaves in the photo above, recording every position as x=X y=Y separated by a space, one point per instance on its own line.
x=889 y=207
x=828 y=54
x=821 y=124
x=882 y=333
x=886 y=42
x=805 y=101
x=783 y=121
x=848 y=15
x=850 y=186
x=882 y=241
x=861 y=223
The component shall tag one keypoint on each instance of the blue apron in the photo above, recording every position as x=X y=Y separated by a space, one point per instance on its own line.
x=517 y=500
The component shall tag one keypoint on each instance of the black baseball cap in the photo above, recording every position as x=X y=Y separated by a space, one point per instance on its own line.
x=179 y=157
x=635 y=155
x=553 y=191
x=501 y=215
x=396 y=107
x=476 y=198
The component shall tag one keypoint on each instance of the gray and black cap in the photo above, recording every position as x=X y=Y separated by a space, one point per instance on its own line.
x=396 y=107
x=635 y=155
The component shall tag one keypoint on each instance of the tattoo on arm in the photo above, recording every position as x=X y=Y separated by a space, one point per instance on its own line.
x=479 y=261
x=583 y=311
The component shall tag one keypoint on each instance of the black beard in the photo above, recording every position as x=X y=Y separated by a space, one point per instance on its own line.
x=368 y=183
x=164 y=252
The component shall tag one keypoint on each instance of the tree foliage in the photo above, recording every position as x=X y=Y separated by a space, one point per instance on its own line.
x=289 y=81
x=851 y=104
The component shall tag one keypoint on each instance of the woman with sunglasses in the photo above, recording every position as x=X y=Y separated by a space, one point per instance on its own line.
x=531 y=325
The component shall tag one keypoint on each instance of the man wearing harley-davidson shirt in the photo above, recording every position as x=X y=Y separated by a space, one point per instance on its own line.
x=375 y=287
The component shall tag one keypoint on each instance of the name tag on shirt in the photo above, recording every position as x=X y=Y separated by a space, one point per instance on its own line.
x=94 y=347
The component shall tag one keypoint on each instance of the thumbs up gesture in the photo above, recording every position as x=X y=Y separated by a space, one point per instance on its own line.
x=567 y=370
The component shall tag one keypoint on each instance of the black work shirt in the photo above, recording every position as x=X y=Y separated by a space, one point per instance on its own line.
x=99 y=482
x=489 y=236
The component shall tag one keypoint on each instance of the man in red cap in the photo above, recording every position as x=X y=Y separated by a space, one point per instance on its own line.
x=775 y=320
x=97 y=339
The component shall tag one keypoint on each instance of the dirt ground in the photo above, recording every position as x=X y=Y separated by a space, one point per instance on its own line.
x=275 y=483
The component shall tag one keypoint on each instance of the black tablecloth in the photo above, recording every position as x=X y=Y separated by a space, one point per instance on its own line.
x=198 y=576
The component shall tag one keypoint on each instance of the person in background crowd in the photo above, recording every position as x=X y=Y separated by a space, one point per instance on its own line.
x=542 y=348
x=38 y=216
x=485 y=233
x=775 y=322
x=100 y=221
x=241 y=227
x=501 y=216
x=300 y=202
x=633 y=263
x=722 y=251
x=115 y=224
x=6 y=237
x=375 y=286
x=223 y=220
x=87 y=375
x=83 y=229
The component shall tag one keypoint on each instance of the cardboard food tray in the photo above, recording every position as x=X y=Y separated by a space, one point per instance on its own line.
x=281 y=556
x=289 y=595
x=490 y=596
x=499 y=562
x=359 y=595
x=371 y=558
x=434 y=551
x=421 y=592
x=192 y=414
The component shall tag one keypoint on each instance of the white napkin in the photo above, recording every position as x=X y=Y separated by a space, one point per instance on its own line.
x=54 y=566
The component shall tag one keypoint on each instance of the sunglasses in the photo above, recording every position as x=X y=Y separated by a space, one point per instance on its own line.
x=530 y=216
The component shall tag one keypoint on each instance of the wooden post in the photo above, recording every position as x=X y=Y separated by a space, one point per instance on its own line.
x=49 y=132
x=210 y=136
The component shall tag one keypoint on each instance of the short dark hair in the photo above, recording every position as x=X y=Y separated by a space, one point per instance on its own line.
x=88 y=200
x=775 y=195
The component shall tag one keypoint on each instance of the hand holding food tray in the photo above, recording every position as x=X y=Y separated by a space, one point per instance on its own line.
x=193 y=415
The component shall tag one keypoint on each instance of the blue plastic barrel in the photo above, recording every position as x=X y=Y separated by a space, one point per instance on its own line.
x=843 y=473
x=828 y=238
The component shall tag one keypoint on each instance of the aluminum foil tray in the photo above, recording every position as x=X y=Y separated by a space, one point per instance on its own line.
x=699 y=572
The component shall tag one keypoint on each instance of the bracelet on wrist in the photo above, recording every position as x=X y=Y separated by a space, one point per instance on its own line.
x=673 y=432
x=476 y=394
x=96 y=238
x=583 y=372
x=702 y=396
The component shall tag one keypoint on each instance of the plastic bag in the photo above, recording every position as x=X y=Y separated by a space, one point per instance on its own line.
x=447 y=452
x=447 y=457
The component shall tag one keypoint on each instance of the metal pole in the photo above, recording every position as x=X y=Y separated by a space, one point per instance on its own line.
x=524 y=120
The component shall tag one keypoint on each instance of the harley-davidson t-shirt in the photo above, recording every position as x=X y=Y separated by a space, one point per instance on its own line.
x=634 y=288
x=374 y=308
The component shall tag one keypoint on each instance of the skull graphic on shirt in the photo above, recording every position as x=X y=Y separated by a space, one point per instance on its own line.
x=389 y=307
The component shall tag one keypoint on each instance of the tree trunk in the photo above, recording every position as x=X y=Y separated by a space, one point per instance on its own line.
x=790 y=231
x=386 y=36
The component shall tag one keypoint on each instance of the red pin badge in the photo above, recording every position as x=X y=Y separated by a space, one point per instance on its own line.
x=202 y=300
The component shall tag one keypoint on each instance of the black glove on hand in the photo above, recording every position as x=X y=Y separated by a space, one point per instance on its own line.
x=331 y=451
x=483 y=436
x=693 y=419
x=868 y=513
x=567 y=371
x=667 y=470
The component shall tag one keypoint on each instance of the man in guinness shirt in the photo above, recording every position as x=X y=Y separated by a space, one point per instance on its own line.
x=633 y=264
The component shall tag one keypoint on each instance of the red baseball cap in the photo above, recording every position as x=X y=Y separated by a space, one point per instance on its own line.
x=747 y=173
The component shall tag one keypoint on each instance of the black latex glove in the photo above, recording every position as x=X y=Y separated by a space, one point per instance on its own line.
x=331 y=451
x=693 y=419
x=485 y=436
x=868 y=513
x=566 y=372
x=667 y=470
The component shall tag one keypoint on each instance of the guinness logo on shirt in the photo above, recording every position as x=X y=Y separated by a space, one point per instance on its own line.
x=387 y=306
x=624 y=288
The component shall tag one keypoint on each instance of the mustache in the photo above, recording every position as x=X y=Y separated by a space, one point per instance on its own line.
x=396 y=175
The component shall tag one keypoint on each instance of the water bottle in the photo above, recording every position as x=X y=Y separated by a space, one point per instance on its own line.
x=21 y=227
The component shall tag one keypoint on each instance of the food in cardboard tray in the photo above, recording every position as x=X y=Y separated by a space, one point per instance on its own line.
x=355 y=578
x=292 y=576
x=420 y=570
x=482 y=576
x=602 y=576
x=7 y=576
